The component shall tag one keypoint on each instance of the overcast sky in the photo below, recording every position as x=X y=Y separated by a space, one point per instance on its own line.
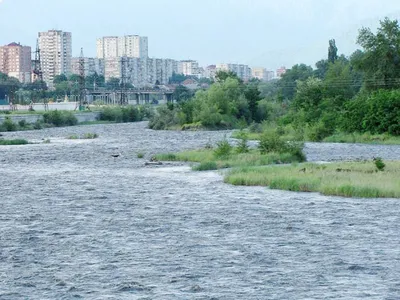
x=255 y=32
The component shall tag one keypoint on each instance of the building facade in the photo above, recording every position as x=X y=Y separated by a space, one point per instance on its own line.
x=130 y=46
x=189 y=68
x=55 y=54
x=91 y=66
x=242 y=71
x=280 y=72
x=15 y=61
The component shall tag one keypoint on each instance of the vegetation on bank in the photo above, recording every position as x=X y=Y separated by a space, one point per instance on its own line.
x=60 y=118
x=13 y=142
x=347 y=179
x=86 y=136
x=272 y=151
x=350 y=99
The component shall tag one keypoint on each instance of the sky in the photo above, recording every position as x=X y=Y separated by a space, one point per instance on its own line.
x=260 y=33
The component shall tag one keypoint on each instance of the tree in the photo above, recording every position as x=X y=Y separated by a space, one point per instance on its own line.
x=177 y=78
x=113 y=83
x=221 y=76
x=253 y=96
x=322 y=68
x=380 y=60
x=60 y=78
x=332 y=51
x=182 y=93
x=288 y=82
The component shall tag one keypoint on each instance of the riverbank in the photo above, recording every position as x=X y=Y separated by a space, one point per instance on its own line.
x=347 y=179
x=362 y=138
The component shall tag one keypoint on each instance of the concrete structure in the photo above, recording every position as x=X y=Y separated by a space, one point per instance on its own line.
x=210 y=71
x=270 y=75
x=92 y=66
x=15 y=61
x=280 y=72
x=260 y=73
x=55 y=54
x=242 y=71
x=130 y=46
x=189 y=68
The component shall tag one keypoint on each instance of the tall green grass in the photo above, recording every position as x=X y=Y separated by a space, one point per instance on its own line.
x=348 y=179
x=13 y=142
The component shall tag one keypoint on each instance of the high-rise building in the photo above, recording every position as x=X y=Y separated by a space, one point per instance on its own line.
x=15 y=61
x=129 y=46
x=189 y=68
x=210 y=71
x=280 y=72
x=242 y=71
x=91 y=66
x=55 y=54
x=259 y=73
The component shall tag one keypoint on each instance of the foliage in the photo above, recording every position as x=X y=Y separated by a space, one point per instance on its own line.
x=242 y=145
x=380 y=60
x=355 y=179
x=206 y=166
x=13 y=142
x=379 y=164
x=223 y=150
x=182 y=93
x=271 y=142
x=60 y=118
x=122 y=114
x=8 y=125
x=332 y=52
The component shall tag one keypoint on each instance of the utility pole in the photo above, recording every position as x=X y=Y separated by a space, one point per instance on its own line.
x=82 y=90
x=37 y=72
x=123 y=81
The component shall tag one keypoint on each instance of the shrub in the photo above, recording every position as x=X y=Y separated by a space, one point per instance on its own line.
x=242 y=146
x=60 y=118
x=13 y=142
x=379 y=164
x=90 y=136
x=206 y=166
x=22 y=123
x=270 y=142
x=9 y=125
x=38 y=125
x=255 y=127
x=223 y=150
x=140 y=155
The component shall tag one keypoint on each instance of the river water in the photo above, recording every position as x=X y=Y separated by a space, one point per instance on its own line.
x=76 y=222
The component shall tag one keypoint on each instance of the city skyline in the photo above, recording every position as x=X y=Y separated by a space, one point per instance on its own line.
x=257 y=33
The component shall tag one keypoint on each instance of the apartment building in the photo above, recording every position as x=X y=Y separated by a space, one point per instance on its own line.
x=242 y=71
x=91 y=66
x=130 y=46
x=280 y=72
x=189 y=68
x=15 y=61
x=56 y=54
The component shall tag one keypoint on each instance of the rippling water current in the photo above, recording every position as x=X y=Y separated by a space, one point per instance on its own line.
x=76 y=222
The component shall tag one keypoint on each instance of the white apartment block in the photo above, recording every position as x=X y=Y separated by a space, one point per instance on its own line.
x=242 y=71
x=91 y=66
x=260 y=74
x=55 y=54
x=141 y=72
x=189 y=68
x=15 y=61
x=130 y=46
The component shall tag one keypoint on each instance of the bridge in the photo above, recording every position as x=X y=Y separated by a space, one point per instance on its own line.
x=129 y=96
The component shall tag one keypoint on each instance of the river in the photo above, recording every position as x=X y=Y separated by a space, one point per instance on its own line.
x=76 y=222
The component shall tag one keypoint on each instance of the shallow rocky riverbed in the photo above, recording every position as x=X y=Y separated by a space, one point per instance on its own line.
x=76 y=222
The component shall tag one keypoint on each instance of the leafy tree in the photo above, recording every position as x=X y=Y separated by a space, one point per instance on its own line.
x=253 y=96
x=221 y=76
x=182 y=93
x=322 y=68
x=60 y=78
x=177 y=78
x=113 y=83
x=288 y=82
x=332 y=51
x=380 y=60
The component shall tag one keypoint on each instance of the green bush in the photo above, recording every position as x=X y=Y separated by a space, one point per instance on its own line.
x=13 y=142
x=379 y=164
x=242 y=146
x=22 y=123
x=223 y=150
x=60 y=118
x=271 y=142
x=8 y=125
x=206 y=166
x=122 y=114
x=38 y=125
